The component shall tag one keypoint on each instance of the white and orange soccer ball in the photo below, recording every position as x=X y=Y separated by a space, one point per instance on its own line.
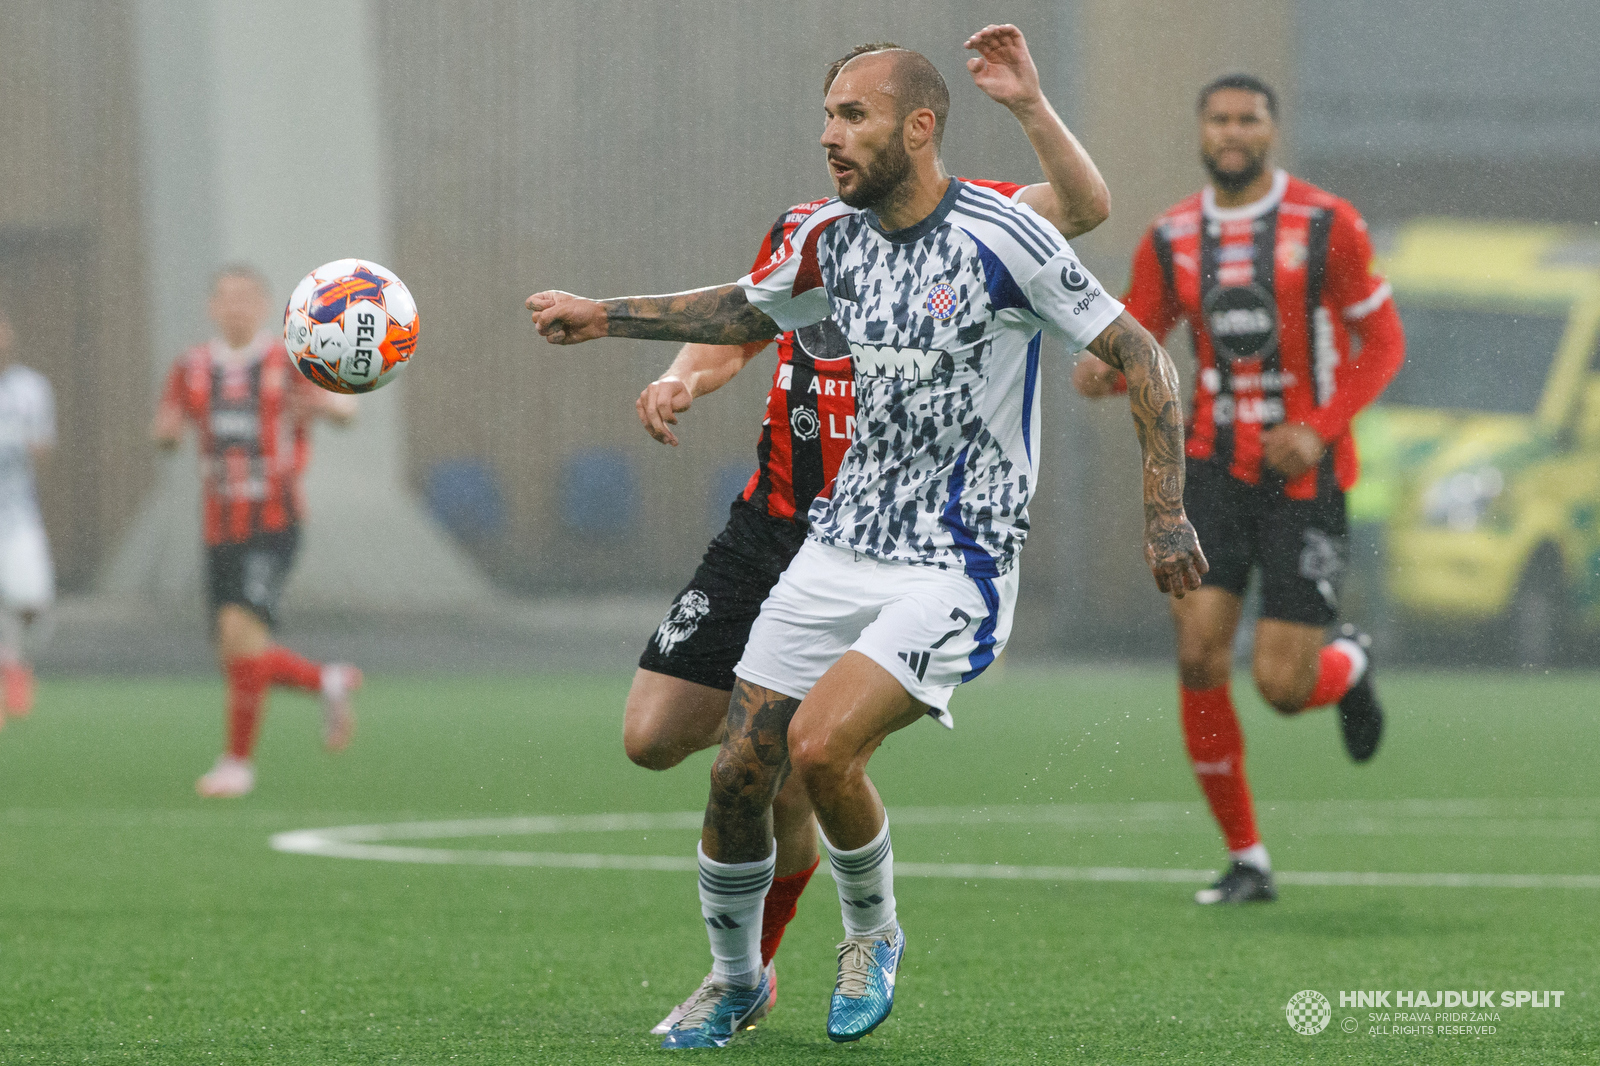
x=351 y=325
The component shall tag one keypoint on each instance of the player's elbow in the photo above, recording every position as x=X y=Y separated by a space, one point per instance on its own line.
x=1093 y=212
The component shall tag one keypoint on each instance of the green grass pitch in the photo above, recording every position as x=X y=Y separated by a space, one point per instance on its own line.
x=140 y=924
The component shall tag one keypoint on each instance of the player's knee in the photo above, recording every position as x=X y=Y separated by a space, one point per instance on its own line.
x=814 y=760
x=647 y=743
x=741 y=783
x=1282 y=690
x=649 y=749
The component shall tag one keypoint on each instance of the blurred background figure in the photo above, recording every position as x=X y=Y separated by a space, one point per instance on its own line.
x=27 y=576
x=252 y=413
x=1275 y=280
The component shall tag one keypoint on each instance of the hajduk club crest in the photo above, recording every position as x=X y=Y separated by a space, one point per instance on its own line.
x=941 y=302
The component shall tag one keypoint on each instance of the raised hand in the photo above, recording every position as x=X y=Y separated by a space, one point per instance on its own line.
x=1003 y=68
x=562 y=318
x=660 y=404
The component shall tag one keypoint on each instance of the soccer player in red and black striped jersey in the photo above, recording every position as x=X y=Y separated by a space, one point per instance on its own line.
x=679 y=701
x=252 y=414
x=1274 y=277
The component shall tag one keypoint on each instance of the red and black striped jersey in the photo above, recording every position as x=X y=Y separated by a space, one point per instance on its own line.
x=811 y=406
x=252 y=418
x=1271 y=291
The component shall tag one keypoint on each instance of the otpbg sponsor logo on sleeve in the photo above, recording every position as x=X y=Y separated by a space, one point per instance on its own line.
x=1436 y=1014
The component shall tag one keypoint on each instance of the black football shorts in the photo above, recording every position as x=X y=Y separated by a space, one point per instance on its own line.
x=1298 y=545
x=251 y=574
x=704 y=633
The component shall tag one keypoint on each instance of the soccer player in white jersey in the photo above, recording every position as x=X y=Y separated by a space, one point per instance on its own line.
x=27 y=578
x=905 y=586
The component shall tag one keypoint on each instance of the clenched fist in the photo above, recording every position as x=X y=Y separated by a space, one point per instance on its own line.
x=562 y=318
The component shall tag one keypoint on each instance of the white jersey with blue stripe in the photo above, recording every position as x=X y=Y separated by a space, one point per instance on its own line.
x=943 y=321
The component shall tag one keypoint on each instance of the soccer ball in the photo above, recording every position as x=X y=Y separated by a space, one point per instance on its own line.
x=350 y=326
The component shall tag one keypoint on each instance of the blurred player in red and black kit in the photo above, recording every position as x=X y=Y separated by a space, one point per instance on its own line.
x=252 y=412
x=1274 y=277
x=679 y=701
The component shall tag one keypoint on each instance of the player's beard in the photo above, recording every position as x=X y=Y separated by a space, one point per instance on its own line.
x=881 y=178
x=1235 y=180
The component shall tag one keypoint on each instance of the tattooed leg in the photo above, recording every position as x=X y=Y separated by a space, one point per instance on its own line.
x=750 y=768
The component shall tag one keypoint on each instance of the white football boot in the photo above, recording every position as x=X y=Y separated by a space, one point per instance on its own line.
x=228 y=779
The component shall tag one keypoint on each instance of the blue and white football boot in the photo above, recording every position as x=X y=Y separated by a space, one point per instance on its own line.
x=864 y=993
x=676 y=1014
x=714 y=1014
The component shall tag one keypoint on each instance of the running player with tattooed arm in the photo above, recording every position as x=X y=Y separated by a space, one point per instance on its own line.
x=907 y=580
x=1274 y=277
x=679 y=700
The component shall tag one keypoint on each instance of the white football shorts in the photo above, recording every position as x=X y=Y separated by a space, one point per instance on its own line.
x=27 y=577
x=932 y=629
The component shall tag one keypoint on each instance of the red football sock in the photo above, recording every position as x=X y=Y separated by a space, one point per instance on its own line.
x=1333 y=676
x=1216 y=749
x=247 y=690
x=779 y=909
x=284 y=667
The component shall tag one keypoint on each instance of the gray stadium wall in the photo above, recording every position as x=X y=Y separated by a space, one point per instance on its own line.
x=71 y=261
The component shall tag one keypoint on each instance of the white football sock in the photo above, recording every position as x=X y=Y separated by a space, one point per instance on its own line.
x=731 y=898
x=1255 y=855
x=1358 y=657
x=865 y=878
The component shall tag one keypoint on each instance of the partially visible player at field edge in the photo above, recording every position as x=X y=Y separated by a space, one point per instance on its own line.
x=1274 y=277
x=679 y=700
x=27 y=578
x=252 y=414
x=906 y=584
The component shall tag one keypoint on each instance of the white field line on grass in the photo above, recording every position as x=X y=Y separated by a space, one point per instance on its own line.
x=370 y=842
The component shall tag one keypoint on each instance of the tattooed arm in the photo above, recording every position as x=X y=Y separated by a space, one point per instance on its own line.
x=1171 y=547
x=719 y=315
